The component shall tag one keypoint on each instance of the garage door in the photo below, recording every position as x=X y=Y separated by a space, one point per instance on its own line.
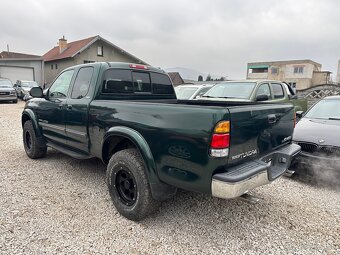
x=16 y=73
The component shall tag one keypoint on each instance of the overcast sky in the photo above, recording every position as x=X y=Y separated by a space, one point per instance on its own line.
x=218 y=37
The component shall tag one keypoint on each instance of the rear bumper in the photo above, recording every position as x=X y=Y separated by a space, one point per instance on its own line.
x=247 y=176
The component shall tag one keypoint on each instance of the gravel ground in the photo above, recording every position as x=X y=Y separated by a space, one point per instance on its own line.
x=60 y=205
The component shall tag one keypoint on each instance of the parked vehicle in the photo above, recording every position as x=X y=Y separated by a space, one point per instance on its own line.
x=128 y=116
x=23 y=88
x=7 y=92
x=255 y=91
x=318 y=134
x=189 y=92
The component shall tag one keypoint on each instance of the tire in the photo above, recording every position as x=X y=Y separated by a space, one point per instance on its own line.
x=15 y=101
x=34 y=147
x=129 y=185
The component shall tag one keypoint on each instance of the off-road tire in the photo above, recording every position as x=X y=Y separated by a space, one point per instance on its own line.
x=129 y=162
x=34 y=147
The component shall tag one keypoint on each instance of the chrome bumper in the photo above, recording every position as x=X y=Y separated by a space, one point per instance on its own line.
x=8 y=98
x=245 y=177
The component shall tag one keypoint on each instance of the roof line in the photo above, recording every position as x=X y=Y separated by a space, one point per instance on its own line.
x=98 y=37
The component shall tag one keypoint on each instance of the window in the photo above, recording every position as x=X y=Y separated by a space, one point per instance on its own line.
x=56 y=66
x=258 y=70
x=61 y=85
x=298 y=69
x=277 y=90
x=82 y=82
x=52 y=67
x=161 y=84
x=275 y=70
x=100 y=51
x=264 y=90
x=141 y=82
x=117 y=81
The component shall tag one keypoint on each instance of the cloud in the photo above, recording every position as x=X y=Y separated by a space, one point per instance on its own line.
x=211 y=36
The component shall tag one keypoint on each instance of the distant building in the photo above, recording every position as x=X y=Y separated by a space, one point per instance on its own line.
x=92 y=49
x=300 y=74
x=176 y=78
x=338 y=76
x=19 y=66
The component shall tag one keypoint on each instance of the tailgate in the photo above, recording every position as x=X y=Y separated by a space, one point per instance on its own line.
x=257 y=130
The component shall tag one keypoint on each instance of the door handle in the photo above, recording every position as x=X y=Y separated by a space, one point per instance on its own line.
x=69 y=107
x=272 y=118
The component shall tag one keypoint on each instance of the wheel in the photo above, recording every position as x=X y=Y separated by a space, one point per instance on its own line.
x=129 y=186
x=34 y=147
x=15 y=101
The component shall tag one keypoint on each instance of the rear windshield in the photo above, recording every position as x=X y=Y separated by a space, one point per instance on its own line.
x=120 y=81
x=185 y=92
x=241 y=90
x=29 y=84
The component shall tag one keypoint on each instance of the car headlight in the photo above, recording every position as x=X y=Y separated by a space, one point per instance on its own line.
x=13 y=93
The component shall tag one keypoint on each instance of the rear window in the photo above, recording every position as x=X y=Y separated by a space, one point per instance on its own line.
x=161 y=84
x=117 y=81
x=277 y=90
x=130 y=82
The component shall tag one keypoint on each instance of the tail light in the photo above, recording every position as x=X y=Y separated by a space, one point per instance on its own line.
x=220 y=141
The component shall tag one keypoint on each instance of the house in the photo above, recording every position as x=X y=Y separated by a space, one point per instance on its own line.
x=300 y=74
x=92 y=49
x=176 y=78
x=19 y=66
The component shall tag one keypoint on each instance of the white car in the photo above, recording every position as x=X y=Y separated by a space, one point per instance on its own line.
x=190 y=92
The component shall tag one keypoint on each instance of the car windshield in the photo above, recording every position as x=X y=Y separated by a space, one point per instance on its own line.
x=29 y=84
x=185 y=92
x=231 y=90
x=325 y=109
x=5 y=84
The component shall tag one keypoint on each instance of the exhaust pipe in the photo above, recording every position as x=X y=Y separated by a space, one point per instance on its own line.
x=249 y=198
x=289 y=173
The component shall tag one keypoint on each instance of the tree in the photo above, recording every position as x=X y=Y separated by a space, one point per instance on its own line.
x=200 y=78
x=208 y=78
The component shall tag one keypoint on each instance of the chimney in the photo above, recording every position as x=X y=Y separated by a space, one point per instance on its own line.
x=62 y=44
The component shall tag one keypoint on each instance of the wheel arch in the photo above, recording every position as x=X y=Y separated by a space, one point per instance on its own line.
x=119 y=138
x=28 y=114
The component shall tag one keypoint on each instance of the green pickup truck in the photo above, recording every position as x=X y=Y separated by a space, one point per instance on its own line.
x=256 y=91
x=128 y=116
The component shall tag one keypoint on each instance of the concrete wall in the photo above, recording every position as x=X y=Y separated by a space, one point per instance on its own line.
x=320 y=78
x=36 y=65
x=110 y=54
x=285 y=72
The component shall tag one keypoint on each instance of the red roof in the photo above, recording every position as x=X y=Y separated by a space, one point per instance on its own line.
x=72 y=49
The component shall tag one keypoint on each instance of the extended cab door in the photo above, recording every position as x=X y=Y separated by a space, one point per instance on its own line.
x=76 y=110
x=50 y=112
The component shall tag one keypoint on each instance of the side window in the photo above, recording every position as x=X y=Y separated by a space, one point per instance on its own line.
x=82 y=82
x=161 y=84
x=117 y=81
x=141 y=82
x=61 y=85
x=277 y=90
x=264 y=90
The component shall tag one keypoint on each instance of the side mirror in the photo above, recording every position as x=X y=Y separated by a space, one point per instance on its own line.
x=36 y=92
x=299 y=114
x=262 y=97
x=19 y=86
